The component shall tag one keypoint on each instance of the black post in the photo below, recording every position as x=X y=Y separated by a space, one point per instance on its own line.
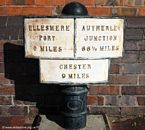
x=74 y=107
x=74 y=96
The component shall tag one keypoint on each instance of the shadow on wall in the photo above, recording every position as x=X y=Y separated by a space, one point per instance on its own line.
x=25 y=73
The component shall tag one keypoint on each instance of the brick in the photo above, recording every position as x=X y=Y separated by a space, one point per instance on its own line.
x=7 y=89
x=29 y=2
x=36 y=11
x=99 y=2
x=13 y=110
x=104 y=90
x=134 y=34
x=0 y=111
x=50 y=2
x=18 y=110
x=129 y=2
x=33 y=111
x=141 y=46
x=9 y=2
x=2 y=43
x=128 y=57
x=141 y=79
x=112 y=2
x=95 y=100
x=129 y=123
x=141 y=11
x=13 y=11
x=99 y=11
x=2 y=11
x=18 y=121
x=89 y=2
x=138 y=2
x=2 y=2
x=22 y=103
x=41 y=2
x=120 y=100
x=114 y=69
x=122 y=126
x=111 y=100
x=1 y=67
x=141 y=57
x=134 y=46
x=1 y=56
x=5 y=100
x=141 y=101
x=133 y=22
x=133 y=68
x=123 y=79
x=132 y=111
x=105 y=110
x=126 y=11
x=122 y=2
x=2 y=46
x=4 y=80
x=133 y=90
x=59 y=2
x=12 y=121
x=15 y=2
x=131 y=45
x=84 y=2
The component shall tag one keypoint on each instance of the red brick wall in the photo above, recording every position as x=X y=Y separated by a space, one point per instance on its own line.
x=21 y=94
x=51 y=7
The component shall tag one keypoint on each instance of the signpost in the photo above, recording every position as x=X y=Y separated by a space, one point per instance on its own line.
x=99 y=38
x=77 y=39
x=49 y=37
x=74 y=71
x=74 y=51
x=74 y=38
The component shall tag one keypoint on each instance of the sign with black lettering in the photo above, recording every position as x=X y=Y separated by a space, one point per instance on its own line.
x=74 y=38
x=74 y=71
x=49 y=37
x=99 y=38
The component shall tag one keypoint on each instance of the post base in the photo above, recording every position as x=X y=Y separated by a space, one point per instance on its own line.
x=94 y=122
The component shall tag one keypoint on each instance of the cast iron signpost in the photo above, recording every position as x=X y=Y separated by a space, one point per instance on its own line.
x=99 y=38
x=74 y=71
x=74 y=38
x=74 y=50
x=78 y=39
x=49 y=37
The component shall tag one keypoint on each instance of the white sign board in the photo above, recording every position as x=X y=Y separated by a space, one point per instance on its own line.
x=74 y=71
x=99 y=38
x=79 y=38
x=49 y=37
